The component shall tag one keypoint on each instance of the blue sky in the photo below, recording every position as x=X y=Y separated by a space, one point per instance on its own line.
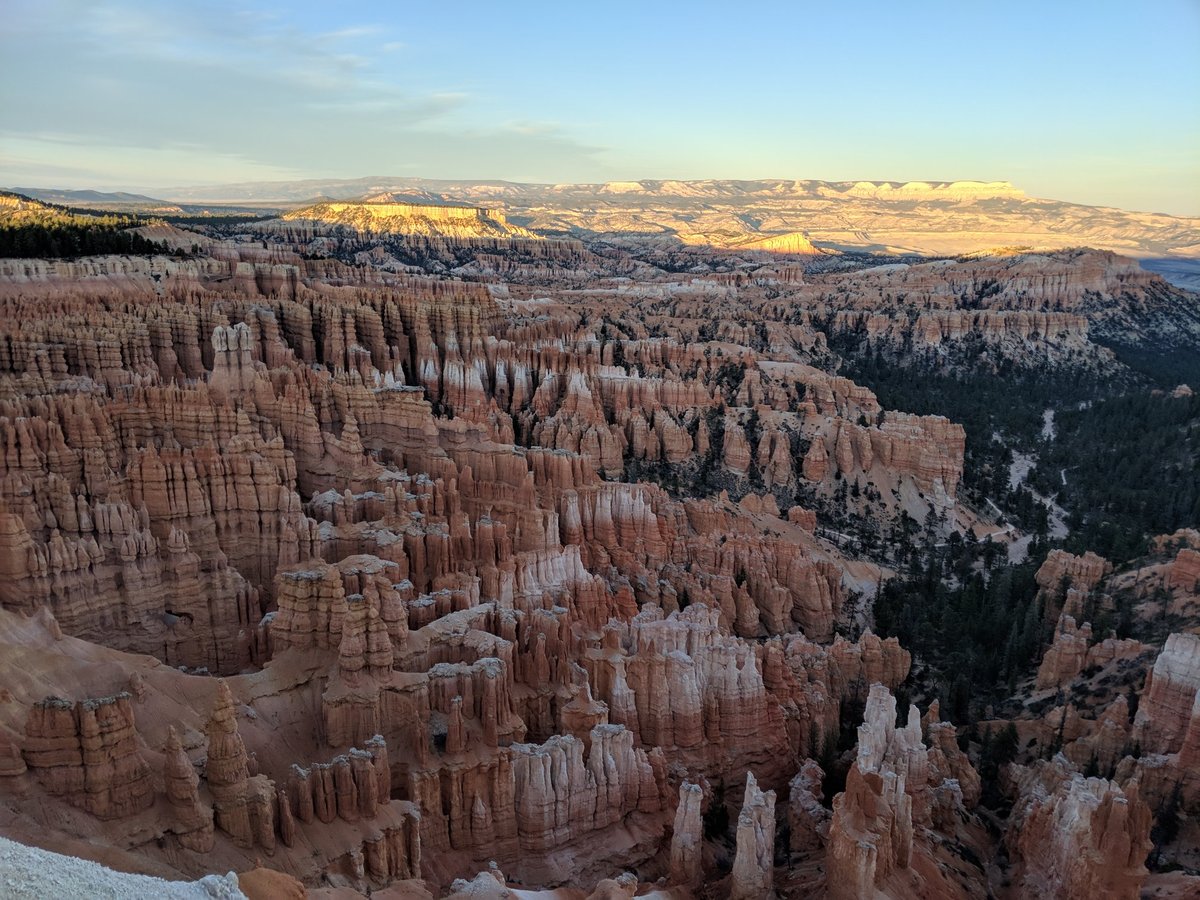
x=1096 y=102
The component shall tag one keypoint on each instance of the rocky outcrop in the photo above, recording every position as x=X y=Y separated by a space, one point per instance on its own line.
x=244 y=805
x=1184 y=571
x=899 y=794
x=686 y=846
x=192 y=820
x=871 y=831
x=808 y=818
x=753 y=873
x=948 y=763
x=1064 y=576
x=1108 y=741
x=679 y=684
x=1165 y=712
x=1073 y=651
x=1067 y=656
x=89 y=753
x=612 y=781
x=1166 y=729
x=1082 y=572
x=385 y=852
x=386 y=215
x=1076 y=836
x=811 y=681
x=351 y=787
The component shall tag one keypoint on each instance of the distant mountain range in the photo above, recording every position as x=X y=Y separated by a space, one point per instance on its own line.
x=85 y=198
x=125 y=202
x=923 y=218
x=434 y=188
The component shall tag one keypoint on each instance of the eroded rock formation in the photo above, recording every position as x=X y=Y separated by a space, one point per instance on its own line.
x=1076 y=836
x=88 y=752
x=508 y=550
x=754 y=865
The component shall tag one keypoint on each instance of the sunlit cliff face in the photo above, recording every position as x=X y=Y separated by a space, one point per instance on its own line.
x=411 y=219
x=797 y=217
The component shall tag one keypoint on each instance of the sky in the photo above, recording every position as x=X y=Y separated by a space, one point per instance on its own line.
x=1092 y=101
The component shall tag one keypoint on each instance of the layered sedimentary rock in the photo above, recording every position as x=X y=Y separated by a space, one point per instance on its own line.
x=926 y=448
x=1076 y=836
x=948 y=763
x=1166 y=710
x=351 y=787
x=89 y=753
x=808 y=818
x=193 y=821
x=1065 y=579
x=1184 y=572
x=811 y=681
x=871 y=832
x=1067 y=656
x=899 y=794
x=508 y=548
x=1073 y=651
x=385 y=215
x=384 y=851
x=930 y=217
x=244 y=805
x=686 y=860
x=1108 y=742
x=754 y=863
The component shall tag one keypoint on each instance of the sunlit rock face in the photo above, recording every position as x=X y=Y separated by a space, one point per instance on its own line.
x=391 y=543
x=925 y=217
x=384 y=215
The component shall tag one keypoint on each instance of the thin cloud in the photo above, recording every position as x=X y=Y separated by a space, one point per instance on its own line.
x=192 y=91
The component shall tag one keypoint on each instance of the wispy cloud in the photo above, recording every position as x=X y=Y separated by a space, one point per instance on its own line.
x=189 y=91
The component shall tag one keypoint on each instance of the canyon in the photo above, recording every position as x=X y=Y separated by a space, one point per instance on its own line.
x=529 y=543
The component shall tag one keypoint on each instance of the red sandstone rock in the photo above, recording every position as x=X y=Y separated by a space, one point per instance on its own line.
x=871 y=832
x=88 y=752
x=1107 y=743
x=1063 y=574
x=1067 y=656
x=897 y=791
x=193 y=820
x=244 y=805
x=1165 y=712
x=396 y=505
x=1184 y=572
x=1076 y=836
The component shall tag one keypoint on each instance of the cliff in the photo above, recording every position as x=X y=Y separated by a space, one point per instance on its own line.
x=426 y=220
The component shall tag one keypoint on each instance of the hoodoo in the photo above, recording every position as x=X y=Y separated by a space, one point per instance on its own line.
x=590 y=536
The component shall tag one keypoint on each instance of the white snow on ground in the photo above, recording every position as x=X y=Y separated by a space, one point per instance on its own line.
x=27 y=873
x=1022 y=465
x=1049 y=430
